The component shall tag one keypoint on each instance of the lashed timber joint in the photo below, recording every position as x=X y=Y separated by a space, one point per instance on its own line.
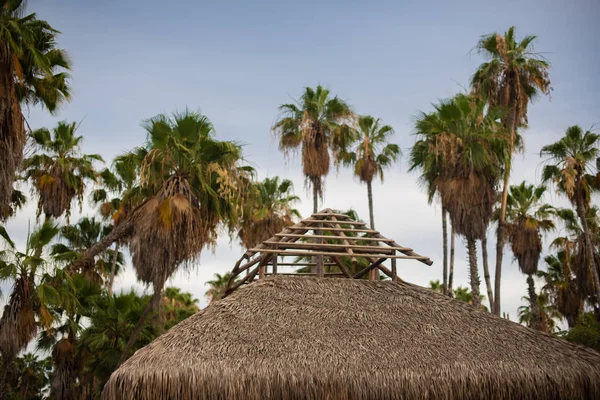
x=336 y=241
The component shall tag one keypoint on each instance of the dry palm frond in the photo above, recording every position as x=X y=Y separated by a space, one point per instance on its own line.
x=168 y=230
x=470 y=201
x=54 y=192
x=18 y=325
x=12 y=135
x=526 y=244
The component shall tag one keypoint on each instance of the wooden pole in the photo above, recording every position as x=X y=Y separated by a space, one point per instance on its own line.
x=319 y=259
x=369 y=268
x=275 y=264
x=341 y=266
x=393 y=261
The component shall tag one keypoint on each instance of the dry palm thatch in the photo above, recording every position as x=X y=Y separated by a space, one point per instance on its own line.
x=305 y=338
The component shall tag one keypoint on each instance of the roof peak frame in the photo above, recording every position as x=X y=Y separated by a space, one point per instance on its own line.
x=334 y=237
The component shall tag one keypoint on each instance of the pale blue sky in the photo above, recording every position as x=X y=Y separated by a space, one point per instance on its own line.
x=237 y=61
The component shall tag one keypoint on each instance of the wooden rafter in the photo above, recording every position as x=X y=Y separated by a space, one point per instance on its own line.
x=325 y=239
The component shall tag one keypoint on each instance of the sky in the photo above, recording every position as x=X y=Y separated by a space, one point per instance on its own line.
x=237 y=61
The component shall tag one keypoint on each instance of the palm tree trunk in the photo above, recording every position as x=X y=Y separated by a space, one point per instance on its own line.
x=370 y=196
x=12 y=130
x=511 y=123
x=317 y=268
x=589 y=250
x=536 y=320
x=149 y=309
x=445 y=251
x=451 y=267
x=501 y=233
x=374 y=273
x=473 y=273
x=486 y=271
x=315 y=197
x=113 y=265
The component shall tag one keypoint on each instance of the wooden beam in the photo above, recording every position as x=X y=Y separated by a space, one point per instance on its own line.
x=329 y=253
x=328 y=229
x=385 y=271
x=274 y=262
x=331 y=214
x=248 y=265
x=301 y=245
x=354 y=223
x=394 y=271
x=329 y=237
x=369 y=268
x=302 y=264
x=247 y=278
x=389 y=273
x=342 y=267
x=306 y=274
x=424 y=260
x=346 y=242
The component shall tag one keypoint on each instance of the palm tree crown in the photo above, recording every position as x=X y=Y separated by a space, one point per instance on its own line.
x=571 y=163
x=370 y=153
x=513 y=76
x=318 y=125
x=193 y=183
x=527 y=217
x=59 y=171
x=269 y=210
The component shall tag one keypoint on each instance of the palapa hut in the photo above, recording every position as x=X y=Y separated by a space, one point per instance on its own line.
x=287 y=337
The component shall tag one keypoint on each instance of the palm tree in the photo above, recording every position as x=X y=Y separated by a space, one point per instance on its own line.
x=460 y=293
x=33 y=373
x=58 y=171
x=194 y=184
x=29 y=298
x=370 y=153
x=111 y=322
x=268 y=211
x=179 y=306
x=318 y=124
x=546 y=314
x=424 y=157
x=527 y=217
x=75 y=239
x=46 y=81
x=120 y=184
x=571 y=161
x=570 y=282
x=469 y=152
x=561 y=286
x=30 y=73
x=62 y=340
x=217 y=287
x=511 y=79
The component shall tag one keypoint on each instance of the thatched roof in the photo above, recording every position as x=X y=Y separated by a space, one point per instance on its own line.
x=336 y=239
x=309 y=338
